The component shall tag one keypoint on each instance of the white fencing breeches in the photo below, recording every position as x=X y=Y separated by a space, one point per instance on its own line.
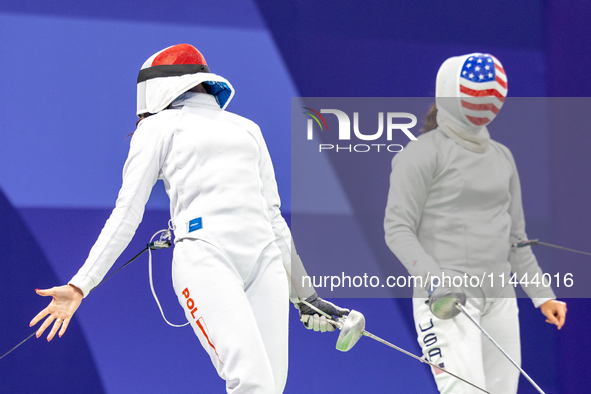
x=462 y=348
x=242 y=323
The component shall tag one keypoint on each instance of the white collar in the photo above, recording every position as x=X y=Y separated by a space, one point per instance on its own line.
x=473 y=139
x=194 y=99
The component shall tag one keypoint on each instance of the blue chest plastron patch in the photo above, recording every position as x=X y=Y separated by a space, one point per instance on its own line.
x=194 y=225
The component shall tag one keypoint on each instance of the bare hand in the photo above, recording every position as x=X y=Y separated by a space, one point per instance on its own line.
x=66 y=299
x=555 y=312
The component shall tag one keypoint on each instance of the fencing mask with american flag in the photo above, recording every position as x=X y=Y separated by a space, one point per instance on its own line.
x=470 y=91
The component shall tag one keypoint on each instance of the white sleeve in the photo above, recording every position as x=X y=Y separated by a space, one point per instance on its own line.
x=140 y=173
x=413 y=171
x=522 y=260
x=291 y=261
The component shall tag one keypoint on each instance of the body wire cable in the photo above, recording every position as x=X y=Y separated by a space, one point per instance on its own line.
x=166 y=238
x=163 y=243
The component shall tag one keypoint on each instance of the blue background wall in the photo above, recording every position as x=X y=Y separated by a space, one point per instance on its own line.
x=67 y=79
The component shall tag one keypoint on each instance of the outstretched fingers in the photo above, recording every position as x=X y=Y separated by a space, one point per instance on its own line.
x=39 y=316
x=64 y=327
x=59 y=325
x=56 y=326
x=66 y=300
x=44 y=326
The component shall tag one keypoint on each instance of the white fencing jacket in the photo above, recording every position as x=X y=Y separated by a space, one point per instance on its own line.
x=450 y=208
x=218 y=174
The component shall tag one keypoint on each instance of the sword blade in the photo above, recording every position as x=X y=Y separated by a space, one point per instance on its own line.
x=25 y=340
x=465 y=312
x=534 y=242
x=375 y=337
x=563 y=248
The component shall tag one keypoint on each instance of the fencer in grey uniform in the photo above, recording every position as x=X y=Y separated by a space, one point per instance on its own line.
x=454 y=210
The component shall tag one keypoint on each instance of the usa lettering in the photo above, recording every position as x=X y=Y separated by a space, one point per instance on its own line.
x=429 y=340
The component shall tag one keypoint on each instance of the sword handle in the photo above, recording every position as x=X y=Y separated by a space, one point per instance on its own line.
x=337 y=323
x=523 y=244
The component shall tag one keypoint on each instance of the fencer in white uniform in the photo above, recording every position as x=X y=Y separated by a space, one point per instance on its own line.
x=232 y=246
x=454 y=208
